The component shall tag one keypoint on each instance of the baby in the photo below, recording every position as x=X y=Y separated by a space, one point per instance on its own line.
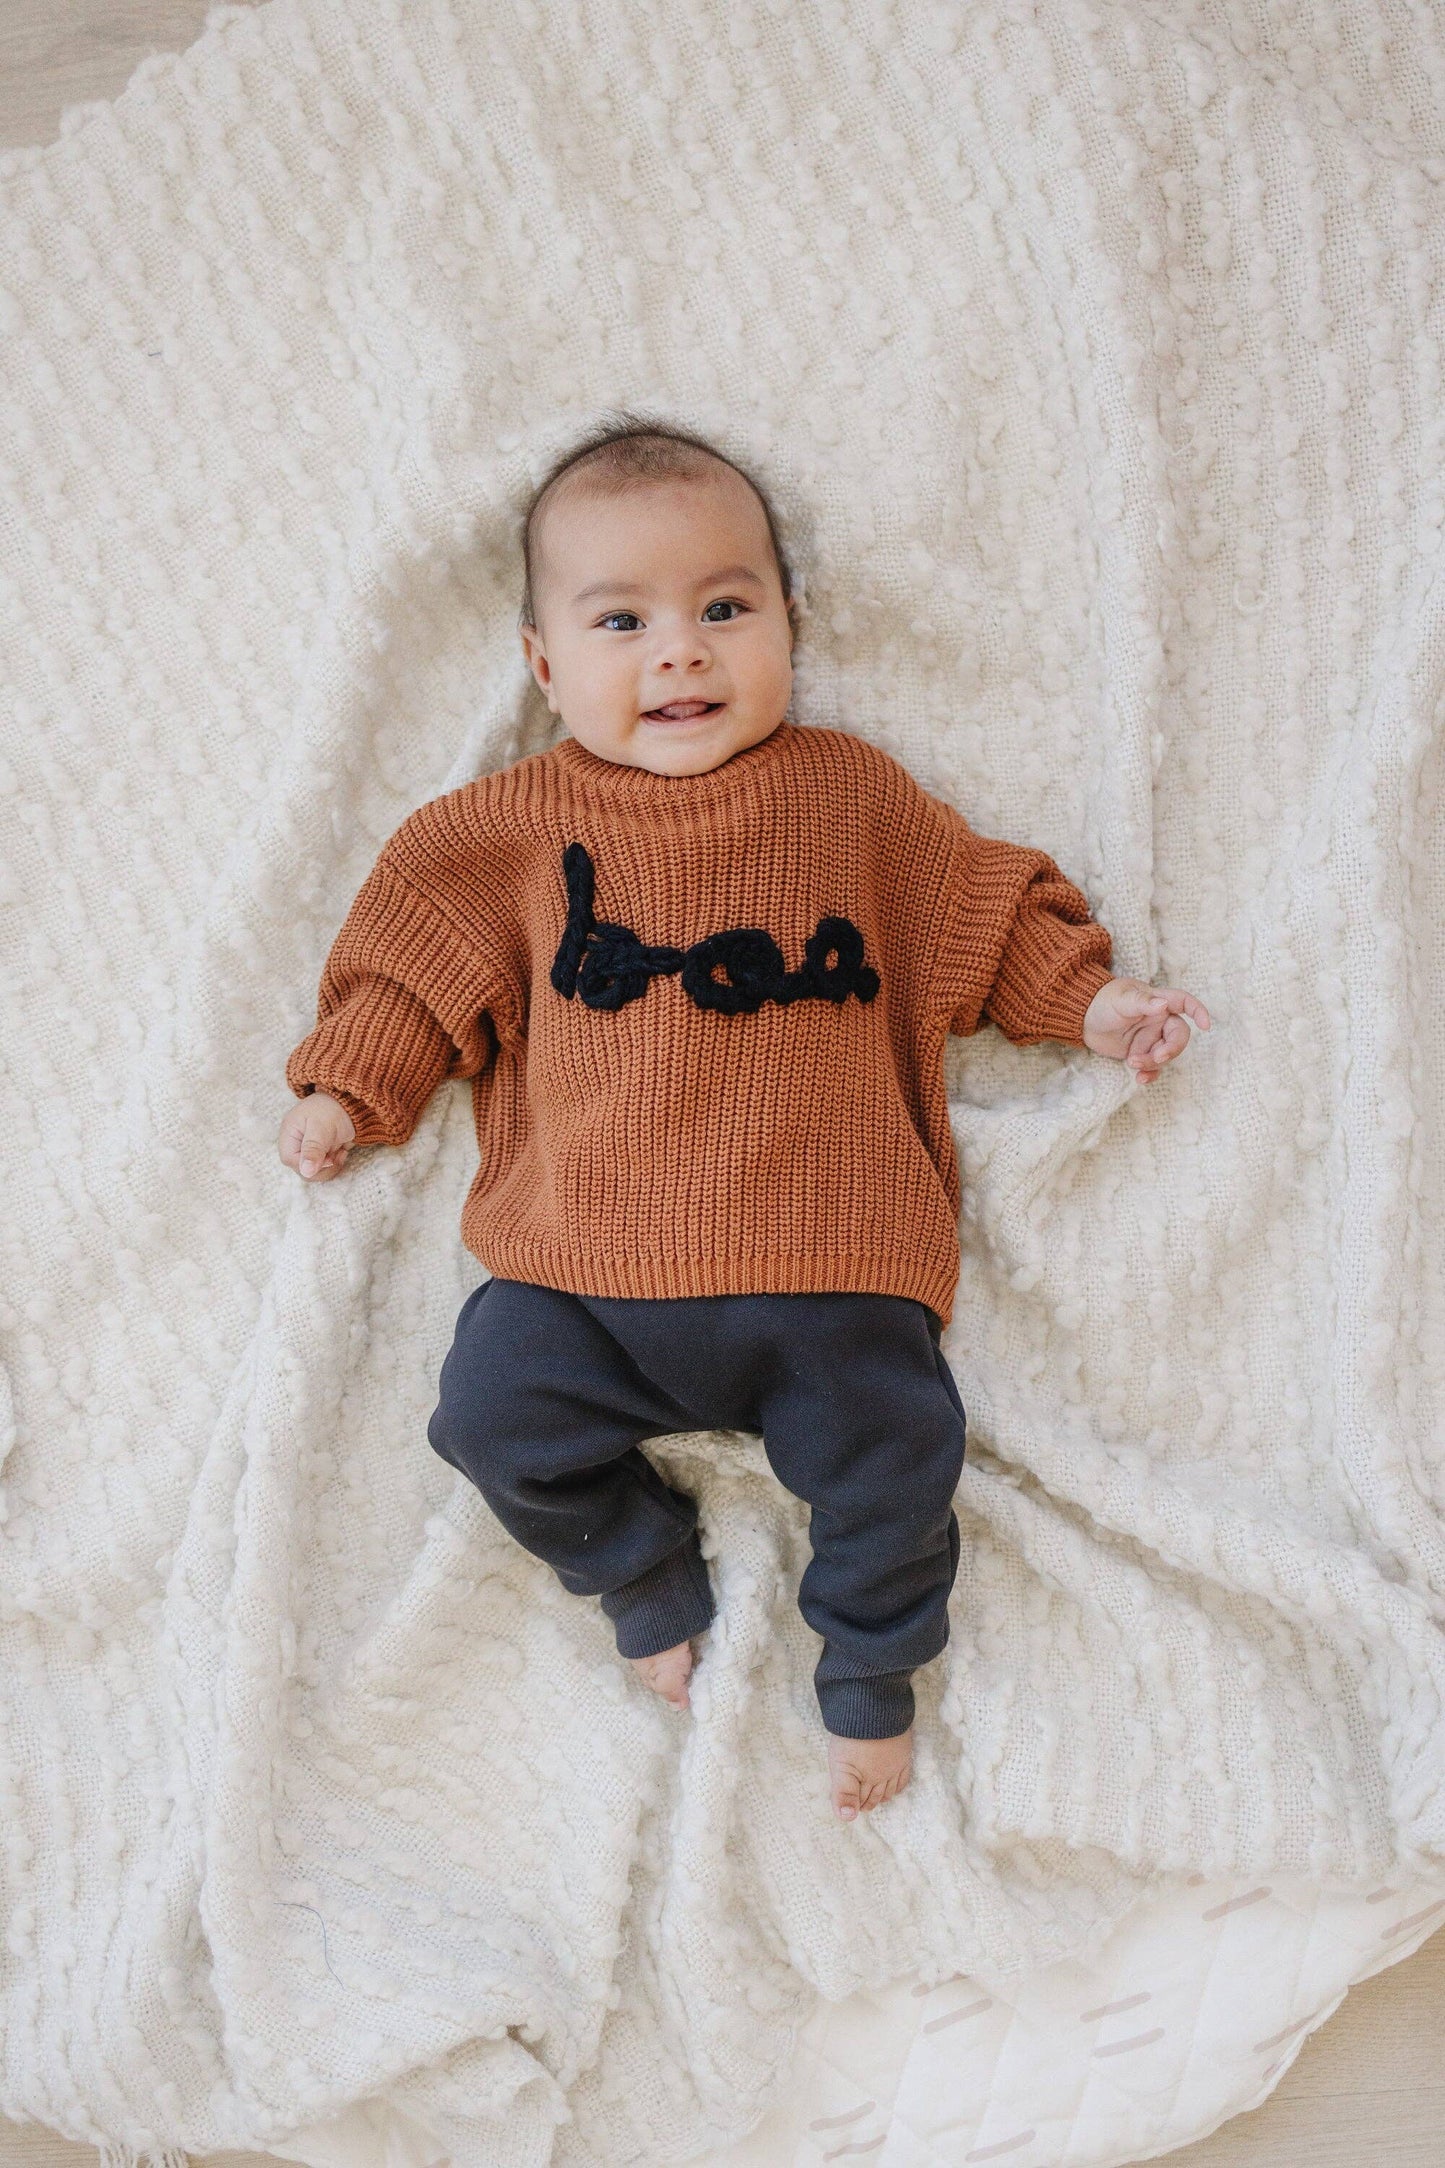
x=700 y=963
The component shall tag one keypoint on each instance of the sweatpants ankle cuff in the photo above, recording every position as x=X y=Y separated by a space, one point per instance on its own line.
x=873 y=1708
x=667 y=1604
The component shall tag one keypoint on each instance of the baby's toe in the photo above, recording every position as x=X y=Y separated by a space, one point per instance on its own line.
x=886 y=1786
x=667 y=1673
x=867 y=1774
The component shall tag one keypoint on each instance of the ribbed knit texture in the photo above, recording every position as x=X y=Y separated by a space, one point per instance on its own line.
x=665 y=1605
x=662 y=1148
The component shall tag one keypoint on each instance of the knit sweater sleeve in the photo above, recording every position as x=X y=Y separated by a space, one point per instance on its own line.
x=1020 y=948
x=403 y=1005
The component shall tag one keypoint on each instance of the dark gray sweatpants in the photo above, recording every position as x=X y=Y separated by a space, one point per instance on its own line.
x=545 y=1398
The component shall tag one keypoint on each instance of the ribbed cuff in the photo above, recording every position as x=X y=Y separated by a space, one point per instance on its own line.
x=370 y=1126
x=667 y=1604
x=1070 y=1002
x=880 y=1707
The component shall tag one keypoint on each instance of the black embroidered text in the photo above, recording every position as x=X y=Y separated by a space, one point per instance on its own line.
x=608 y=965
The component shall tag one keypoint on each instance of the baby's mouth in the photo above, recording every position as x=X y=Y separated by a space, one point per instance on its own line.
x=681 y=711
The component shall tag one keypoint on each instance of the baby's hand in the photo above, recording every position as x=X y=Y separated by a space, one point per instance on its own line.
x=1143 y=1025
x=315 y=1136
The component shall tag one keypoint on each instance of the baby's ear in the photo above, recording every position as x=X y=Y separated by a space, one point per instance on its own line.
x=539 y=666
x=531 y=647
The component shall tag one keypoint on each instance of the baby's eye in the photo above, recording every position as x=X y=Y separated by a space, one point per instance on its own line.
x=723 y=603
x=620 y=613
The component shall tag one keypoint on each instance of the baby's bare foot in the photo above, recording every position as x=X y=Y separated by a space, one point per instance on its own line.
x=667 y=1673
x=865 y=1772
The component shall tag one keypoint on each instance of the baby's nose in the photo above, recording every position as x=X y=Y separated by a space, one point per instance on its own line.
x=681 y=639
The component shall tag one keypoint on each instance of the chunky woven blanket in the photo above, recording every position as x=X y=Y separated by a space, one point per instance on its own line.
x=1093 y=352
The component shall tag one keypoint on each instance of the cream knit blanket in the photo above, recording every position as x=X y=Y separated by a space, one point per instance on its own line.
x=1093 y=351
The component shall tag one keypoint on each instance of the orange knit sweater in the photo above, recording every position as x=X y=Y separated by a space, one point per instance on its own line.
x=703 y=1016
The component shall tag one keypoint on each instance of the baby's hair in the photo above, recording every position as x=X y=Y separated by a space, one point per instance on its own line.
x=627 y=449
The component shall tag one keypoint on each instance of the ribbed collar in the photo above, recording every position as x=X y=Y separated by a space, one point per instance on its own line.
x=611 y=779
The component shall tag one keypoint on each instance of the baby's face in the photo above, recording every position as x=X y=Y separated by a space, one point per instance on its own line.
x=667 y=593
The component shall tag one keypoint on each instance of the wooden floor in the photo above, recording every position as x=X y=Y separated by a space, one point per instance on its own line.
x=1368 y=2089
